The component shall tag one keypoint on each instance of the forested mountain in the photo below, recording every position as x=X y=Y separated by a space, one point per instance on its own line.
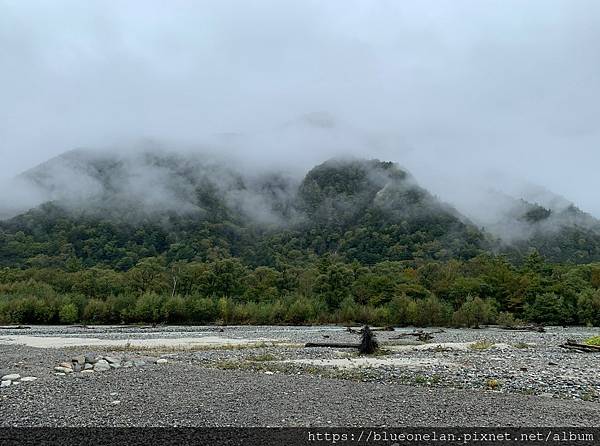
x=160 y=237
x=115 y=211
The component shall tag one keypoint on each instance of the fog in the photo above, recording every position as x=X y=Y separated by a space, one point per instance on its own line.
x=469 y=96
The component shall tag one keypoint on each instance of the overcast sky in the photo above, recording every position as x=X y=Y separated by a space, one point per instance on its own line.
x=449 y=89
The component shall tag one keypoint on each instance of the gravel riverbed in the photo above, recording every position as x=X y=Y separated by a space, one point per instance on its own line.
x=263 y=376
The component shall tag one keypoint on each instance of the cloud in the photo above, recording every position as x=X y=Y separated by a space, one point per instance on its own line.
x=459 y=92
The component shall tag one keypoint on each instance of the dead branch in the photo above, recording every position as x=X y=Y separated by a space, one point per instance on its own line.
x=419 y=334
x=584 y=348
x=14 y=327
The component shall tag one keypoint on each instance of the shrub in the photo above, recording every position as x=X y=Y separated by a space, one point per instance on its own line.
x=68 y=314
x=96 y=311
x=474 y=312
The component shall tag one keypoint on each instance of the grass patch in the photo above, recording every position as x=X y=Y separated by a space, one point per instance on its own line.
x=521 y=345
x=594 y=340
x=481 y=345
x=492 y=384
x=262 y=358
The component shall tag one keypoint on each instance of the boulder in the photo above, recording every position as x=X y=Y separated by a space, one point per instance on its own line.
x=128 y=364
x=80 y=359
x=101 y=366
x=11 y=377
x=112 y=360
x=87 y=366
x=5 y=383
x=26 y=379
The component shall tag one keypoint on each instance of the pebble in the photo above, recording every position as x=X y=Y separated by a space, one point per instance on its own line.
x=162 y=361
x=63 y=369
x=28 y=379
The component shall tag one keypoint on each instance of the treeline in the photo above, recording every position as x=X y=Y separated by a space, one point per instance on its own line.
x=484 y=290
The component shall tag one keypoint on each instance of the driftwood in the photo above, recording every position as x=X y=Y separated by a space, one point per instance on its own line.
x=419 y=334
x=14 y=327
x=368 y=343
x=536 y=328
x=355 y=331
x=575 y=346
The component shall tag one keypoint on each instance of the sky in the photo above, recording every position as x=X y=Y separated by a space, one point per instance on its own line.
x=464 y=94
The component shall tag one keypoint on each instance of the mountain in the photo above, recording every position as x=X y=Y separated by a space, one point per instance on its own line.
x=114 y=209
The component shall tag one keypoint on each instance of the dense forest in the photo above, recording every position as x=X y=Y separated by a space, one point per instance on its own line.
x=352 y=241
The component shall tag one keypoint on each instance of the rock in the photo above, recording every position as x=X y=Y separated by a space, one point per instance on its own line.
x=114 y=393
x=139 y=363
x=63 y=369
x=91 y=359
x=162 y=361
x=268 y=373
x=5 y=383
x=112 y=360
x=87 y=366
x=76 y=367
x=115 y=365
x=11 y=377
x=116 y=402
x=87 y=371
x=101 y=366
x=80 y=359
x=60 y=374
x=127 y=364
x=27 y=379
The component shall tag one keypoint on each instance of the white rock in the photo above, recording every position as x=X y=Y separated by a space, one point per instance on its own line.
x=87 y=371
x=60 y=374
x=268 y=373
x=114 y=403
x=139 y=363
x=112 y=360
x=11 y=377
x=87 y=366
x=162 y=361
x=26 y=379
x=63 y=369
x=5 y=383
x=115 y=365
x=101 y=366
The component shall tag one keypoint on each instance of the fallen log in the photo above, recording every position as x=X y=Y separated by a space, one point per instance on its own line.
x=14 y=327
x=584 y=348
x=355 y=331
x=420 y=335
x=331 y=344
x=368 y=343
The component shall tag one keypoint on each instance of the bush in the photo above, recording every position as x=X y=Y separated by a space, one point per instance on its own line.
x=68 y=314
x=588 y=307
x=96 y=311
x=474 y=312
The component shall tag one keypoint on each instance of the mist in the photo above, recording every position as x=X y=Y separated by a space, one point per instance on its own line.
x=471 y=97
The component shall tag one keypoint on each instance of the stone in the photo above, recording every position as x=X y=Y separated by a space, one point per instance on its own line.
x=116 y=402
x=268 y=373
x=66 y=365
x=112 y=360
x=80 y=359
x=11 y=377
x=162 y=361
x=127 y=364
x=101 y=366
x=5 y=383
x=76 y=367
x=87 y=371
x=115 y=365
x=60 y=374
x=27 y=379
x=91 y=359
x=63 y=369
x=87 y=366
x=139 y=363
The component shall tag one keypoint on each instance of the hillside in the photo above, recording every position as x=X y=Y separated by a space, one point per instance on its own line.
x=113 y=210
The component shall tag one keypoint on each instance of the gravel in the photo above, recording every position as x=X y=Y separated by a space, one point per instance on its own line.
x=508 y=383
